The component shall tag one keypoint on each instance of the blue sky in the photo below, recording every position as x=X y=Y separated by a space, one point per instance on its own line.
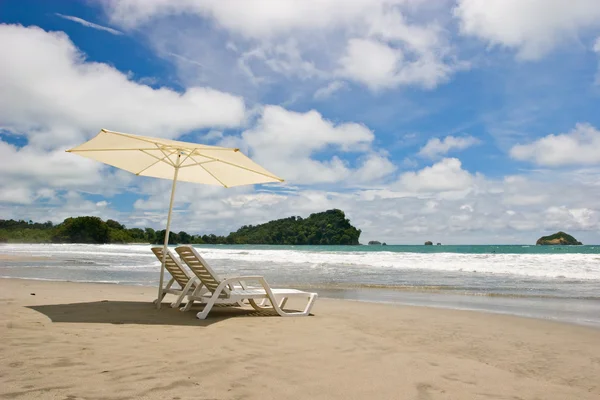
x=458 y=121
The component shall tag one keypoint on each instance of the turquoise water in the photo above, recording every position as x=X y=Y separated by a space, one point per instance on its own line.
x=459 y=249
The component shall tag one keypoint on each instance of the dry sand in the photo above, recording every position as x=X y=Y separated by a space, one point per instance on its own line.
x=92 y=341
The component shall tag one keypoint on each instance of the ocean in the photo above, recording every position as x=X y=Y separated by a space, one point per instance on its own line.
x=553 y=282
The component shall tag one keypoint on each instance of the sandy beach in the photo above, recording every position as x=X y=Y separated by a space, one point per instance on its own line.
x=101 y=341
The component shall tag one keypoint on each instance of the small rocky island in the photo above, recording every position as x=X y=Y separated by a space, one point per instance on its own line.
x=428 y=243
x=374 y=243
x=559 y=238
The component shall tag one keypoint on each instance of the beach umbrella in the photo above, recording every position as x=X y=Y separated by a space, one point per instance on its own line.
x=174 y=160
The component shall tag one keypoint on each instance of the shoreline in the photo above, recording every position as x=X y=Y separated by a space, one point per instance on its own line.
x=573 y=311
x=74 y=340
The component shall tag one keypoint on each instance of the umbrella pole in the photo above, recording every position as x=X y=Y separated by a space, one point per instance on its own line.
x=164 y=257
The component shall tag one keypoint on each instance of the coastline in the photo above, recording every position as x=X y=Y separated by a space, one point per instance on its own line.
x=107 y=341
x=555 y=286
x=576 y=311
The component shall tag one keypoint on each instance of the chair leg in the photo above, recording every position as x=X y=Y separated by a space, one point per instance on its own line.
x=207 y=307
x=164 y=291
x=210 y=303
x=309 y=305
x=259 y=307
x=184 y=292
x=162 y=296
x=190 y=299
x=283 y=302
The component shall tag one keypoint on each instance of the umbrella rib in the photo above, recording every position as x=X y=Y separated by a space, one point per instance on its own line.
x=241 y=167
x=196 y=164
x=167 y=156
x=210 y=173
x=152 y=155
x=186 y=157
x=154 y=163
x=111 y=149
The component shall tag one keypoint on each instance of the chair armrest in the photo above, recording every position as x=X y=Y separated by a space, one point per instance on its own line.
x=243 y=278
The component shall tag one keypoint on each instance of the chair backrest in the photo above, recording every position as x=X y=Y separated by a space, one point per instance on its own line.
x=173 y=265
x=199 y=267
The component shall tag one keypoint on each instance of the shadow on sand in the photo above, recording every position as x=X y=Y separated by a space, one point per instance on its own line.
x=139 y=313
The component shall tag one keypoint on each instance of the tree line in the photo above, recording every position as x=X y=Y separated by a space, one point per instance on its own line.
x=326 y=228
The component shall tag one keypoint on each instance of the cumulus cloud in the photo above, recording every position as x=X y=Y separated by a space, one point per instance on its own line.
x=578 y=147
x=532 y=27
x=436 y=147
x=370 y=62
x=564 y=218
x=52 y=86
x=446 y=175
x=417 y=209
x=253 y=18
x=89 y=24
x=293 y=144
x=314 y=38
x=54 y=98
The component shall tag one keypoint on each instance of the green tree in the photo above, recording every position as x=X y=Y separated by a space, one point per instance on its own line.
x=159 y=238
x=150 y=235
x=119 y=236
x=184 y=237
x=82 y=230
x=111 y=223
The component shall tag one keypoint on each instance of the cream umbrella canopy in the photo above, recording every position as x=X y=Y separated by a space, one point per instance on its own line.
x=178 y=161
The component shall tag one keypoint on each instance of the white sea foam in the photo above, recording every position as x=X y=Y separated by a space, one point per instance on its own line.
x=326 y=263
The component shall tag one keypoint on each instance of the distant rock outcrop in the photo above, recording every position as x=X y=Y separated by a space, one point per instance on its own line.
x=439 y=244
x=428 y=243
x=374 y=243
x=559 y=238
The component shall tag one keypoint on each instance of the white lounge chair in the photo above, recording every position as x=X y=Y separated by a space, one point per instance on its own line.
x=220 y=290
x=187 y=283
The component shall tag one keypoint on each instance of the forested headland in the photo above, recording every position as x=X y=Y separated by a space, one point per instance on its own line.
x=325 y=228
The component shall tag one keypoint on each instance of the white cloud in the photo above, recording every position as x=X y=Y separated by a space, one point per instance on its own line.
x=373 y=168
x=578 y=147
x=393 y=214
x=213 y=135
x=379 y=65
x=287 y=142
x=446 y=175
x=284 y=58
x=53 y=98
x=39 y=167
x=18 y=195
x=436 y=147
x=328 y=91
x=89 y=24
x=532 y=27
x=564 y=218
x=370 y=62
x=300 y=39
x=251 y=18
x=51 y=87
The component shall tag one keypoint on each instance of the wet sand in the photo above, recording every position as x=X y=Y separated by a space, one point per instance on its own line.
x=24 y=258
